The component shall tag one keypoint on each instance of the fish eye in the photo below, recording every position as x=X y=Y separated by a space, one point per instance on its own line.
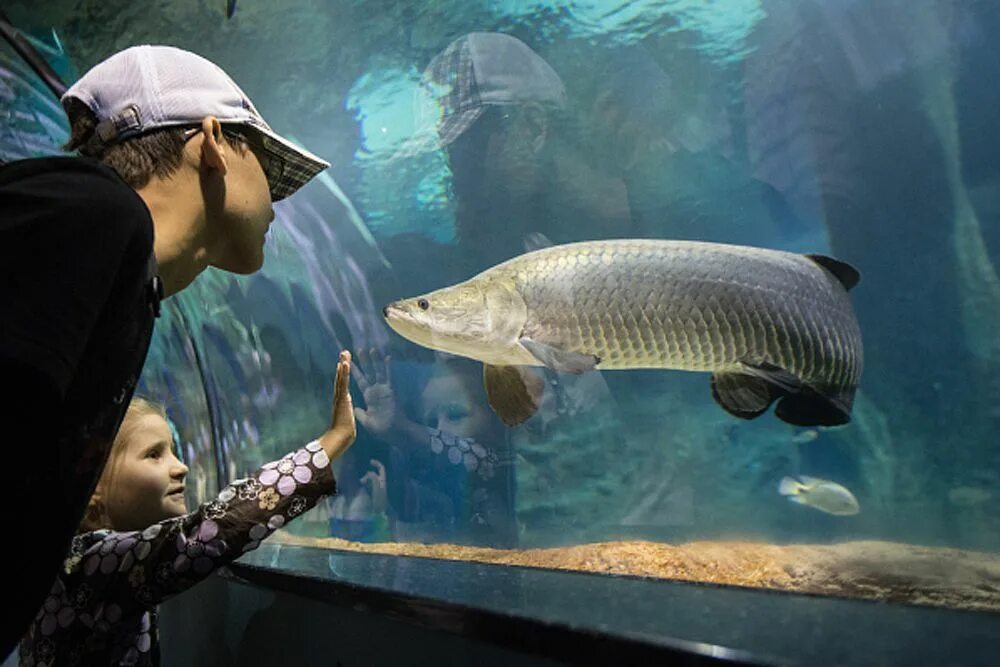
x=423 y=303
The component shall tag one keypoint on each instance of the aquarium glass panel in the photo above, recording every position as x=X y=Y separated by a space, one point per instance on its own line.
x=773 y=364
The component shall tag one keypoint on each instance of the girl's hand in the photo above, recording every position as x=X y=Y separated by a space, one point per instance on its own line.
x=375 y=480
x=380 y=417
x=342 y=430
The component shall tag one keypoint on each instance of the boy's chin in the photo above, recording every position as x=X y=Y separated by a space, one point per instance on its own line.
x=243 y=266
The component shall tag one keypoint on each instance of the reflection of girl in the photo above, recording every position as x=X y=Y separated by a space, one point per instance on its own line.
x=455 y=467
x=142 y=547
x=360 y=510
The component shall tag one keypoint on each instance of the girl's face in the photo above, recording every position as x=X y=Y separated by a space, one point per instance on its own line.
x=148 y=485
x=448 y=406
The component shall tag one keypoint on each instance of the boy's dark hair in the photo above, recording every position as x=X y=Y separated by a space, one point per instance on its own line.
x=137 y=159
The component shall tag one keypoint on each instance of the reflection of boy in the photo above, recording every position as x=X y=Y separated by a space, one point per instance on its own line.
x=498 y=110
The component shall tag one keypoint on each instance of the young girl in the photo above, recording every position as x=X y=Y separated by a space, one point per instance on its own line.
x=140 y=546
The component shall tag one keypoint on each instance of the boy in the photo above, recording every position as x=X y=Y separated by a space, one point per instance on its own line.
x=177 y=173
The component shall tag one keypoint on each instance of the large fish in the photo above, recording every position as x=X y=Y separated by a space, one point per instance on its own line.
x=768 y=325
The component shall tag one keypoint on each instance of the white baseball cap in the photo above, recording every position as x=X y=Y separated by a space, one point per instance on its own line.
x=148 y=87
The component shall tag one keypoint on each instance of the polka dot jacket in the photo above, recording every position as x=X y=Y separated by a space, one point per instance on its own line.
x=102 y=608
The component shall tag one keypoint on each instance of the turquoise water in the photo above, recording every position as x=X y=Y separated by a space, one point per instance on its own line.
x=864 y=130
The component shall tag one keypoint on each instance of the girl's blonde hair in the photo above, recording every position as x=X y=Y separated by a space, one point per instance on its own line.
x=96 y=515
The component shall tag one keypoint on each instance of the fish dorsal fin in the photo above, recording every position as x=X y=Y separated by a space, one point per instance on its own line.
x=811 y=482
x=514 y=392
x=563 y=361
x=842 y=271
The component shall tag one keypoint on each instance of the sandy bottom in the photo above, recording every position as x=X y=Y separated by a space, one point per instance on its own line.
x=887 y=571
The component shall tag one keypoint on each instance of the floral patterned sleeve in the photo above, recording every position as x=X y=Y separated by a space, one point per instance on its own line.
x=173 y=555
x=476 y=458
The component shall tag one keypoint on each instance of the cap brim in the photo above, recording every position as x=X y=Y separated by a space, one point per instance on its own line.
x=430 y=139
x=300 y=166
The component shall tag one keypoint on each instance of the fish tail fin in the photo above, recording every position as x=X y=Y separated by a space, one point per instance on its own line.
x=789 y=487
x=810 y=407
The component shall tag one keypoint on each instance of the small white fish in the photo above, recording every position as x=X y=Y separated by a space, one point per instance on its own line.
x=824 y=495
x=802 y=437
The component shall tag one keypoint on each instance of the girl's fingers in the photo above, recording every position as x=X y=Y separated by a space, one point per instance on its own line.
x=388 y=370
x=336 y=387
x=345 y=380
x=379 y=369
x=342 y=392
x=362 y=381
x=361 y=376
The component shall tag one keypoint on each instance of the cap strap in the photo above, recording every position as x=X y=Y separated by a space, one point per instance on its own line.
x=125 y=122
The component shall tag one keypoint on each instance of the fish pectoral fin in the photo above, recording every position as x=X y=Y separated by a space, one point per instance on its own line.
x=514 y=392
x=842 y=271
x=560 y=360
x=743 y=395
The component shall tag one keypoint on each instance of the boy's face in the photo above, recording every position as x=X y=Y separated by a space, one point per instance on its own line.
x=148 y=485
x=493 y=167
x=241 y=216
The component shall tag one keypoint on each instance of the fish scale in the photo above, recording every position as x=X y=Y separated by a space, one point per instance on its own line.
x=688 y=305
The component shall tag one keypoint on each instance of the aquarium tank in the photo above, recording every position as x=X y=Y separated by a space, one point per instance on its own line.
x=464 y=134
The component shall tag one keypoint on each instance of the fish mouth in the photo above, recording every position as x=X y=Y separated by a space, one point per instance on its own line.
x=405 y=324
x=393 y=313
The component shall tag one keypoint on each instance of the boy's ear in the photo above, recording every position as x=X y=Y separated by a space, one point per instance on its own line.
x=213 y=146
x=537 y=123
